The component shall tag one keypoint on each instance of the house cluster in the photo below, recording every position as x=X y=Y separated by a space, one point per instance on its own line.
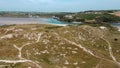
x=69 y=16
x=32 y=16
x=92 y=12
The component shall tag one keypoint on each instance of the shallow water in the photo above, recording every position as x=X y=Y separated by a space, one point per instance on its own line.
x=115 y=24
x=9 y=20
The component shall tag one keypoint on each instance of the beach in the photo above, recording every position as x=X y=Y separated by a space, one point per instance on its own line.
x=9 y=21
x=118 y=28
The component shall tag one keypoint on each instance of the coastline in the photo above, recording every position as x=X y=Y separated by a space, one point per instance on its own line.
x=19 y=23
x=10 y=21
x=118 y=27
x=57 y=24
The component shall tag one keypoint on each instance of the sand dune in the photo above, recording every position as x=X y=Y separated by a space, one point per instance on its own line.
x=116 y=13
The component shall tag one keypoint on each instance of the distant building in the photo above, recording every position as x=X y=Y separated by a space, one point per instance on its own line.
x=95 y=12
x=29 y=15
x=54 y=17
x=69 y=16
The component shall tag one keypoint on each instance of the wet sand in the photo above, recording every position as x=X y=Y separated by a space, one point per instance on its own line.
x=118 y=28
x=8 y=21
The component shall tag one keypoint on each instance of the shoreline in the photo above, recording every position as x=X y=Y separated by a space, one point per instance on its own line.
x=17 y=21
x=118 y=27
x=58 y=24
x=45 y=23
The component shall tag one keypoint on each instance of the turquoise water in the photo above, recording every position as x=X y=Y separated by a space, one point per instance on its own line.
x=115 y=24
x=54 y=21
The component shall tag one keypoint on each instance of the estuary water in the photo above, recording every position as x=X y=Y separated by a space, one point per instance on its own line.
x=116 y=24
x=9 y=20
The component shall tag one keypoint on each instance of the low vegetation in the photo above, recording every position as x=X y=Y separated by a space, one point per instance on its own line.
x=48 y=46
x=92 y=17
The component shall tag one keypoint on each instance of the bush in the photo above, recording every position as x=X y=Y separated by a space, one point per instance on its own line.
x=108 y=18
